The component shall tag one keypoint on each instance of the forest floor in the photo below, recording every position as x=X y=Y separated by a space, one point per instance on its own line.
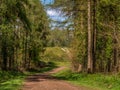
x=46 y=81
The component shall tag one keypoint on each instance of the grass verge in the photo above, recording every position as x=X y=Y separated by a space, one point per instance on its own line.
x=95 y=81
x=11 y=80
x=14 y=80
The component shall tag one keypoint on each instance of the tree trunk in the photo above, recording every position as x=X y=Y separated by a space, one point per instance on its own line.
x=4 y=50
x=94 y=35
x=89 y=66
x=115 y=49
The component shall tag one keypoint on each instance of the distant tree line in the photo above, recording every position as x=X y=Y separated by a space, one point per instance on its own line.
x=59 y=37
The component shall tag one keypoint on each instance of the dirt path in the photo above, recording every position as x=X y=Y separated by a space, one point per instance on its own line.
x=46 y=82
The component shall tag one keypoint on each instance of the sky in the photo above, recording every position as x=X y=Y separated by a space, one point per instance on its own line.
x=52 y=13
x=47 y=1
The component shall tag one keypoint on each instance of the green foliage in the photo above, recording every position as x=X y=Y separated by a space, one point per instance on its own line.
x=24 y=28
x=55 y=54
x=4 y=76
x=96 y=81
x=40 y=27
x=58 y=38
x=106 y=22
x=14 y=80
x=11 y=80
x=12 y=84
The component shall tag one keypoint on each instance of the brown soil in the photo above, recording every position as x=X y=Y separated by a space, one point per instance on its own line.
x=47 y=82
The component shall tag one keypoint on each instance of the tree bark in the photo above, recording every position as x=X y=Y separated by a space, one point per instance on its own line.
x=94 y=35
x=115 y=49
x=89 y=66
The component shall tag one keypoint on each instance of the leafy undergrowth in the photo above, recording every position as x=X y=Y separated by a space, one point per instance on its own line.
x=96 y=81
x=11 y=80
x=51 y=66
x=14 y=80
